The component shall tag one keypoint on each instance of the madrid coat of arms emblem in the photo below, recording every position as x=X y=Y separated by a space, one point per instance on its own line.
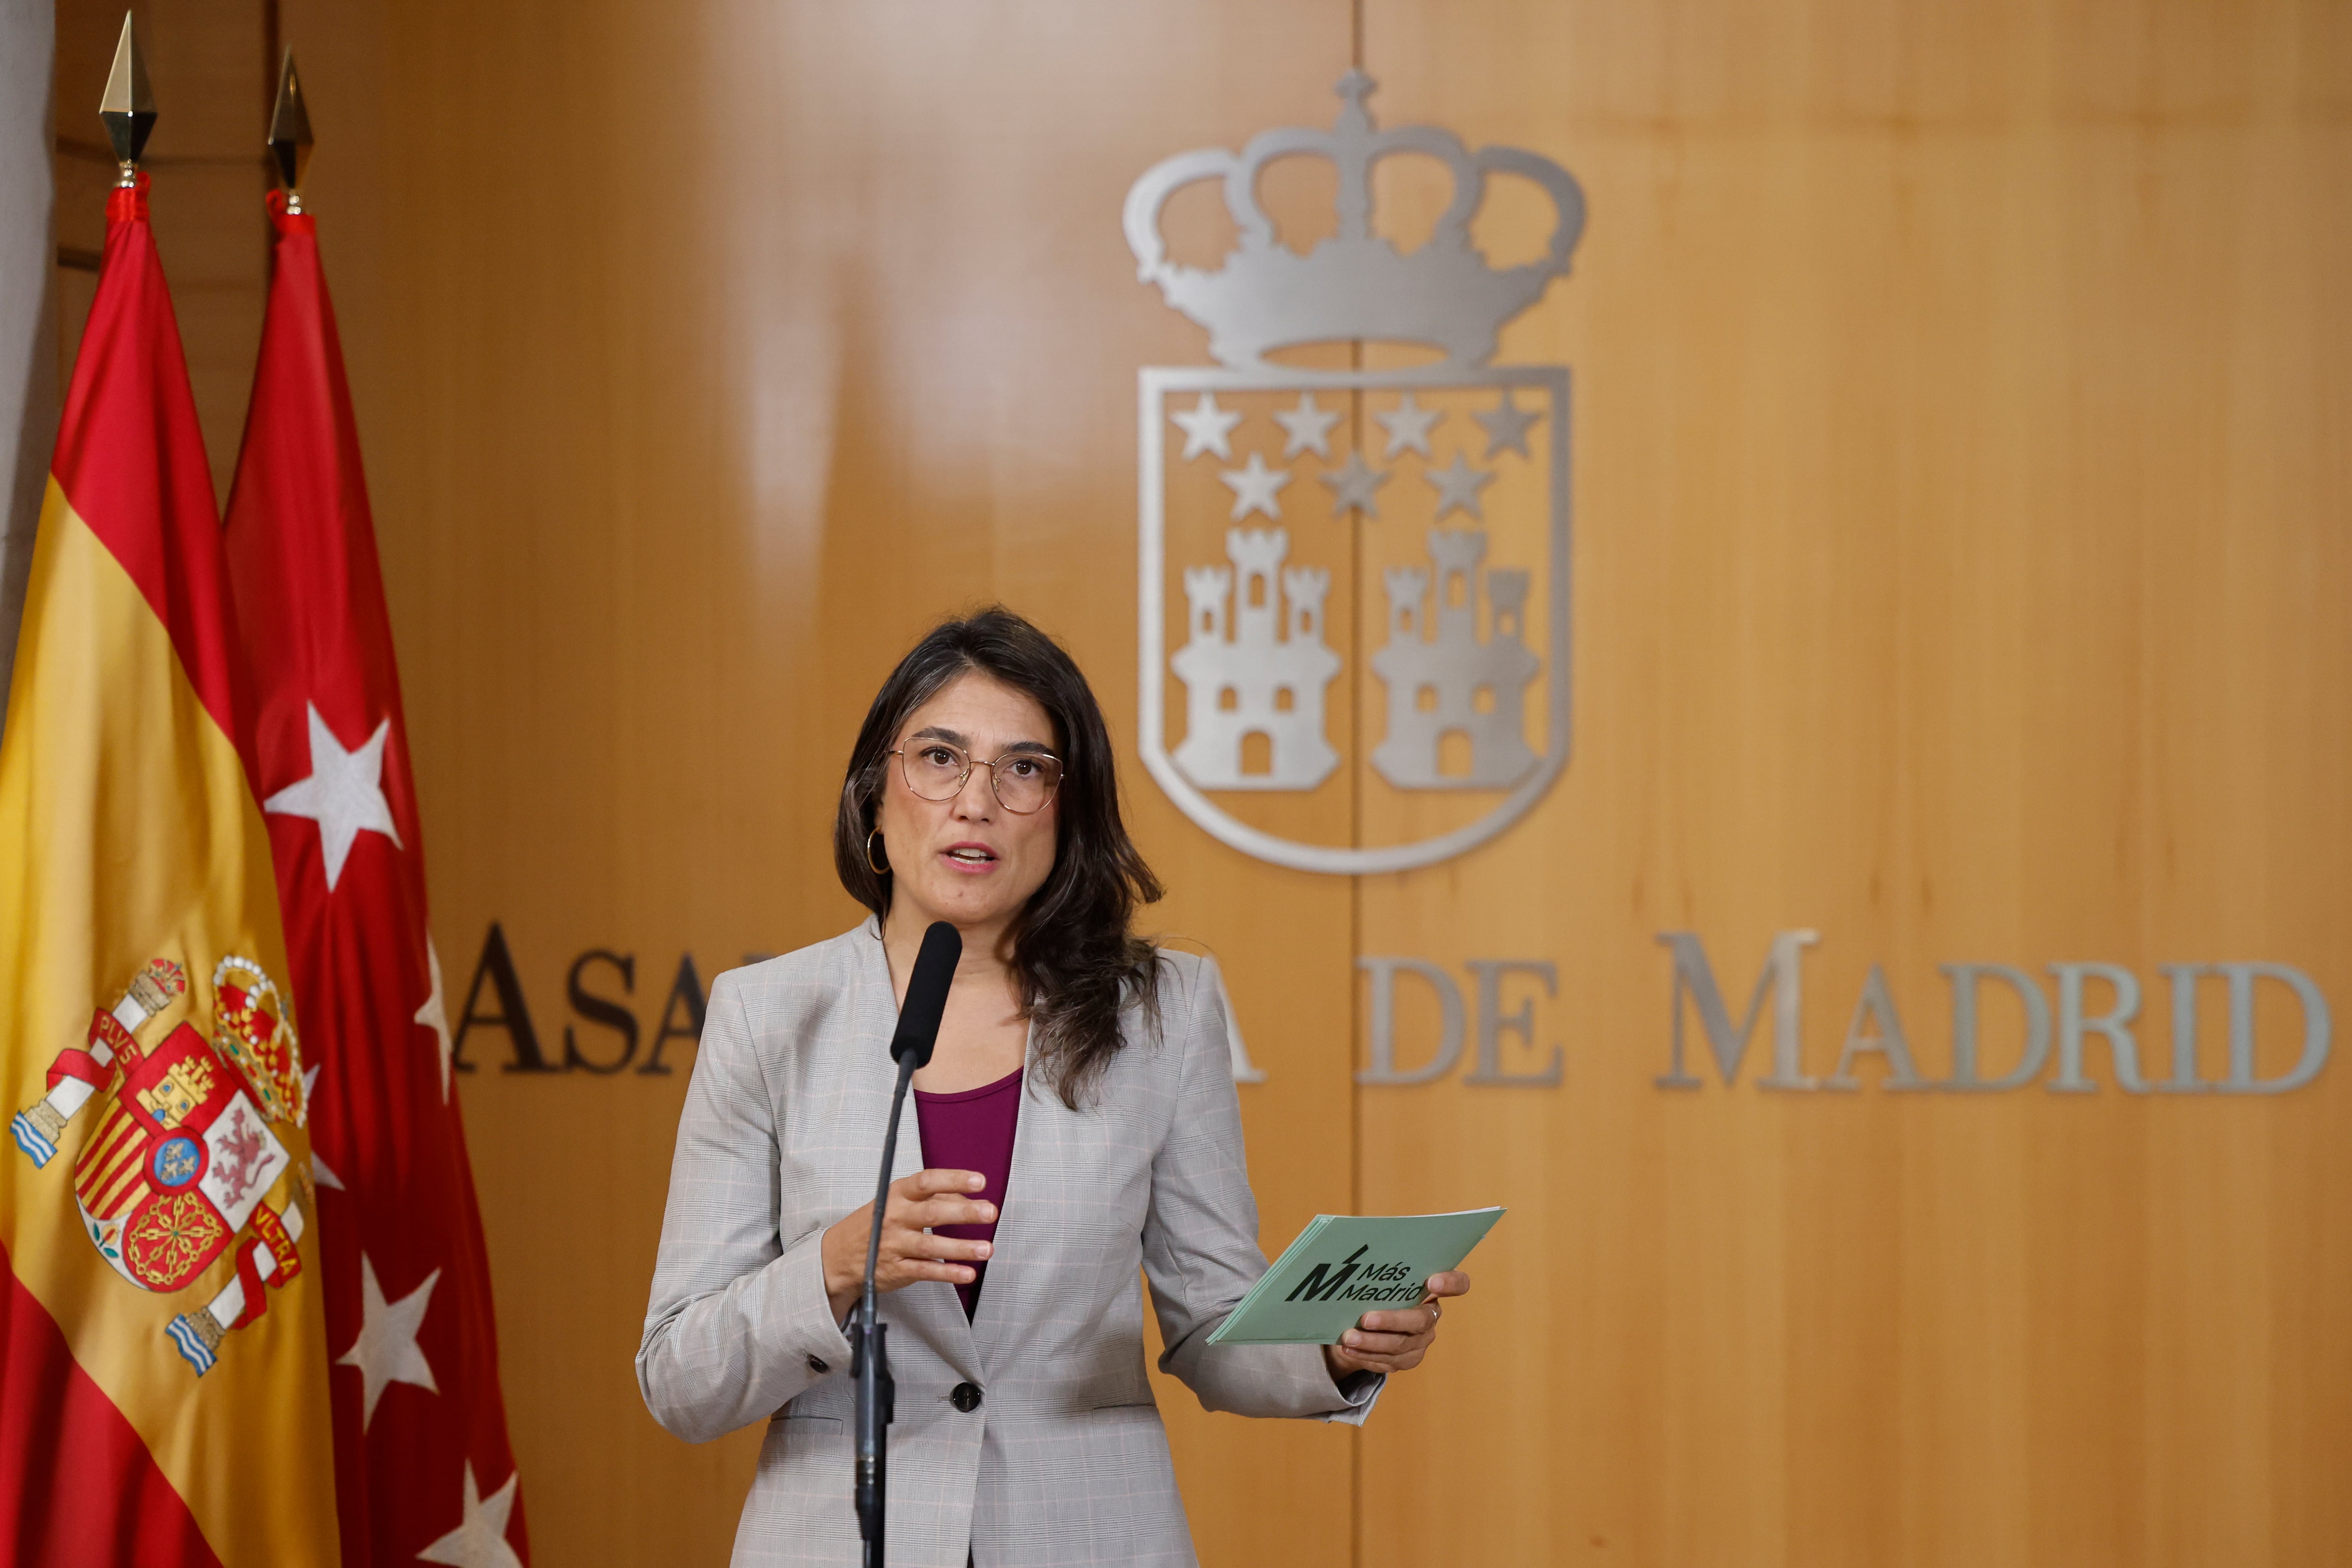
x=1294 y=515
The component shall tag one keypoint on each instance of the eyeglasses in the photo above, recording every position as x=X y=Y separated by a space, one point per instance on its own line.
x=1023 y=781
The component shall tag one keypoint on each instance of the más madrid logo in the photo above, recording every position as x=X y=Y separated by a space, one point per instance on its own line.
x=1343 y=564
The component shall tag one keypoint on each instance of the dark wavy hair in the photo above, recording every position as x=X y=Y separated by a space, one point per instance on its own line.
x=1075 y=965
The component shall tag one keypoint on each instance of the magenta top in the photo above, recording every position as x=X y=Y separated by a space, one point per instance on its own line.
x=971 y=1131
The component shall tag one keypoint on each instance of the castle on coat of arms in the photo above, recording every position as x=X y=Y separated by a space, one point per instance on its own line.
x=1251 y=669
x=1453 y=682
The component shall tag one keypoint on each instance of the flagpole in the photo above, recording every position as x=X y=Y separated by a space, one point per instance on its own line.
x=128 y=106
x=290 y=137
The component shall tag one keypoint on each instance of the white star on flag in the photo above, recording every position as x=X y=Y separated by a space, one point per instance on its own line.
x=1254 y=488
x=1310 y=427
x=1409 y=424
x=1352 y=484
x=480 y=1539
x=1206 y=426
x=386 y=1351
x=1458 y=485
x=434 y=1014
x=1506 y=426
x=343 y=795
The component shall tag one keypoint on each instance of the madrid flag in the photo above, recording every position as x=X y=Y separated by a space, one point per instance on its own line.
x=423 y=1466
x=163 y=1386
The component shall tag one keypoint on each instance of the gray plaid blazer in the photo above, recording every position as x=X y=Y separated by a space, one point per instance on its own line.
x=1064 y=1461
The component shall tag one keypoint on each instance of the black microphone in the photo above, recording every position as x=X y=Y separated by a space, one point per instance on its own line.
x=927 y=996
x=869 y=1360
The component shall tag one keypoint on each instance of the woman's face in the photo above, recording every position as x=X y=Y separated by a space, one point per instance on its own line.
x=966 y=860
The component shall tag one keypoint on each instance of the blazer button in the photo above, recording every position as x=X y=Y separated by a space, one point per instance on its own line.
x=965 y=1398
x=816 y=1364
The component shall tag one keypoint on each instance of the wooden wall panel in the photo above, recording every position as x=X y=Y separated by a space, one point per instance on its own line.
x=1959 y=452
x=1958 y=568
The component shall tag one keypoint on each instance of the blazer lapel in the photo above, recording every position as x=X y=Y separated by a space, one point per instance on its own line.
x=1038 y=1165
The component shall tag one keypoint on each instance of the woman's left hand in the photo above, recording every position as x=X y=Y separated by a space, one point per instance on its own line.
x=1395 y=1342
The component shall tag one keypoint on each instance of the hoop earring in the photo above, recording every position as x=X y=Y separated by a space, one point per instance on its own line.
x=883 y=869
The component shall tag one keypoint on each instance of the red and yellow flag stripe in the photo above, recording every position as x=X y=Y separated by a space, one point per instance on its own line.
x=130 y=832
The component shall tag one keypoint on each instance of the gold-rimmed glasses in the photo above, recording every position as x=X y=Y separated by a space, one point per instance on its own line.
x=1023 y=781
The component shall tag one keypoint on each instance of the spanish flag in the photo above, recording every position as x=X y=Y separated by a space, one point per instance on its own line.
x=164 y=1392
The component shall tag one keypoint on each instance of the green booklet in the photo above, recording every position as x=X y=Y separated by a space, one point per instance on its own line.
x=1343 y=1266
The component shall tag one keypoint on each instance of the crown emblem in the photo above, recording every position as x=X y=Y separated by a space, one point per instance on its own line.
x=1354 y=284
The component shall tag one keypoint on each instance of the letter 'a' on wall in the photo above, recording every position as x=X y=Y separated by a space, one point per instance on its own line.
x=1877 y=1030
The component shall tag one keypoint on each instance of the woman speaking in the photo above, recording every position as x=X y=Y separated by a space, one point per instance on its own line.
x=1077 y=1121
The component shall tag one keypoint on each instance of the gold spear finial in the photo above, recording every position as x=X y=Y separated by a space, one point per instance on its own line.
x=129 y=106
x=289 y=133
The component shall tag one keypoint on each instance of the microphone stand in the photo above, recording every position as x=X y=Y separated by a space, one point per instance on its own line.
x=869 y=1360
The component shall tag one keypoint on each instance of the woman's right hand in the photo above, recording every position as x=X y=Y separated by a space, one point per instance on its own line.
x=910 y=1252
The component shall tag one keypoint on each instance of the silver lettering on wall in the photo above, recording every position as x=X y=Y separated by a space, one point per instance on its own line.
x=2115 y=1023
x=1490 y=976
x=1877 y=1030
x=1964 y=978
x=1493 y=1022
x=2085 y=1028
x=2098 y=1005
x=1383 y=1067
x=1782 y=979
x=1245 y=1070
x=2316 y=1028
